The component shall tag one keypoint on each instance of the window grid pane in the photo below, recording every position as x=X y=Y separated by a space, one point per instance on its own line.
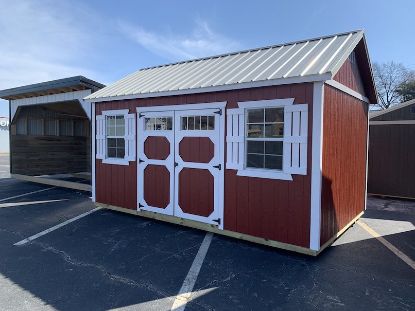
x=197 y=123
x=115 y=126
x=264 y=138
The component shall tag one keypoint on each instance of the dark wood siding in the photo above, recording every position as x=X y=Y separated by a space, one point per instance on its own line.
x=392 y=160
x=349 y=75
x=273 y=209
x=344 y=160
x=37 y=148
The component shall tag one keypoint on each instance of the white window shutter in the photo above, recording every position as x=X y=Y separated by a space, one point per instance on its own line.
x=295 y=139
x=100 y=137
x=130 y=137
x=235 y=141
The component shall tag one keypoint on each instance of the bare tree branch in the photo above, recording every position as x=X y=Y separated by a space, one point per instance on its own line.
x=391 y=79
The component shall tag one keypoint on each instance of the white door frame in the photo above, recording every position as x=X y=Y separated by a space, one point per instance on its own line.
x=143 y=161
x=216 y=218
x=221 y=148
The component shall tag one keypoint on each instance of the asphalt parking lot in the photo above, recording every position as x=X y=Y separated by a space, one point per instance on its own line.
x=113 y=261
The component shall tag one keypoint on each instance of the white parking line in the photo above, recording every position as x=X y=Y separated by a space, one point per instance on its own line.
x=22 y=195
x=389 y=245
x=33 y=237
x=185 y=293
x=3 y=205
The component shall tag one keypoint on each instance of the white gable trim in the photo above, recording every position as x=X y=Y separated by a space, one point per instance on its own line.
x=54 y=98
x=347 y=90
x=228 y=87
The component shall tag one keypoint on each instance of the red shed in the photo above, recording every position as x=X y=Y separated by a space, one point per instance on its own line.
x=267 y=145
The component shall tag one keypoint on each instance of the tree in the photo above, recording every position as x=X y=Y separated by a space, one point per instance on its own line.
x=393 y=82
x=407 y=90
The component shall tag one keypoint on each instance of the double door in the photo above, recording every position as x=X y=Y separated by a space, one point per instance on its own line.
x=180 y=164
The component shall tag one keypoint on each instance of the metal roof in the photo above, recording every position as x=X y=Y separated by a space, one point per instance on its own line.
x=51 y=87
x=313 y=60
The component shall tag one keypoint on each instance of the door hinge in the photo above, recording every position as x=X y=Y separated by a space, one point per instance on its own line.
x=140 y=161
x=219 y=166
x=217 y=220
x=140 y=205
x=219 y=112
x=140 y=115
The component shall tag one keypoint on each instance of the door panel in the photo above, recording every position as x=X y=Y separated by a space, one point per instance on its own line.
x=180 y=169
x=198 y=165
x=156 y=162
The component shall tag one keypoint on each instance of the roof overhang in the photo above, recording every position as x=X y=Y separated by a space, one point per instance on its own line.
x=77 y=83
x=220 y=88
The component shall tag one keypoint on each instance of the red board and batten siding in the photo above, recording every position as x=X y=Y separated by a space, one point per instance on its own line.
x=272 y=209
x=344 y=161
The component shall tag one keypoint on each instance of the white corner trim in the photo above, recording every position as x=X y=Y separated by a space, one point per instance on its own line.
x=212 y=105
x=115 y=112
x=316 y=165
x=228 y=87
x=401 y=122
x=266 y=103
x=93 y=143
x=115 y=161
x=268 y=174
x=347 y=90
x=367 y=158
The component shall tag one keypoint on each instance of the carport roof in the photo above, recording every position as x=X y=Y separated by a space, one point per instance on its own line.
x=309 y=60
x=70 y=84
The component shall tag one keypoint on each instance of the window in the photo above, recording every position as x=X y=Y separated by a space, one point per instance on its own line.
x=267 y=139
x=198 y=123
x=21 y=126
x=81 y=128
x=35 y=127
x=158 y=124
x=51 y=127
x=65 y=128
x=264 y=138
x=115 y=136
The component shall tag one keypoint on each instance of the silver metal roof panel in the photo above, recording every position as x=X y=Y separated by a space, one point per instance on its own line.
x=313 y=58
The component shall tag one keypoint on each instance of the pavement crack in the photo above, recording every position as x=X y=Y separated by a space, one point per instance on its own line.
x=113 y=277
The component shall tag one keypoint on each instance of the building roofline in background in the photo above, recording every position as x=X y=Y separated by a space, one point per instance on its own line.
x=51 y=87
x=375 y=114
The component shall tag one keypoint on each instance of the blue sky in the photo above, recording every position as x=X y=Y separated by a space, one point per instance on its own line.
x=105 y=40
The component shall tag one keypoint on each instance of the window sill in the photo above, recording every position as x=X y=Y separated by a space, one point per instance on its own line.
x=116 y=161
x=264 y=174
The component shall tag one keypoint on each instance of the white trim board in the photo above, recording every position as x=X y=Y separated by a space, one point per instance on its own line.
x=229 y=87
x=316 y=166
x=49 y=99
x=214 y=105
x=93 y=156
x=347 y=90
x=401 y=122
x=266 y=103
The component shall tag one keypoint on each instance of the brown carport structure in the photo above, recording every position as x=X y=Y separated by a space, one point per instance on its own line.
x=50 y=125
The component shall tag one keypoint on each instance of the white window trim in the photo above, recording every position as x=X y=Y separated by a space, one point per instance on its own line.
x=116 y=161
x=258 y=172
